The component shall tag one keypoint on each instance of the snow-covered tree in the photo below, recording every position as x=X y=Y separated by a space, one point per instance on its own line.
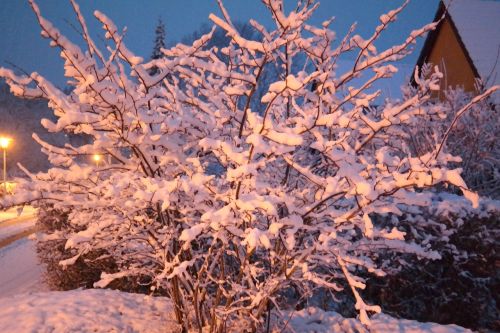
x=159 y=41
x=219 y=40
x=159 y=44
x=237 y=214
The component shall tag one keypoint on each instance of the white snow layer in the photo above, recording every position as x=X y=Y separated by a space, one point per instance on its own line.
x=86 y=311
x=11 y=229
x=314 y=320
x=16 y=212
x=20 y=271
x=98 y=310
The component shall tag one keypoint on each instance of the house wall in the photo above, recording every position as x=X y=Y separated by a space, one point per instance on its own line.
x=449 y=55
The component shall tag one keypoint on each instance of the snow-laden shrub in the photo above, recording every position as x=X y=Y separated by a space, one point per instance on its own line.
x=471 y=135
x=234 y=212
x=86 y=270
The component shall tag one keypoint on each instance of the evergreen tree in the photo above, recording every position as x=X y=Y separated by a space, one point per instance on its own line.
x=159 y=43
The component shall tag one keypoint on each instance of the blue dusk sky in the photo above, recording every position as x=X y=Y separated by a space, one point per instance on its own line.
x=21 y=43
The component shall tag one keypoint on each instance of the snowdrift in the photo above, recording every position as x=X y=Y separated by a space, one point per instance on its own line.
x=113 y=311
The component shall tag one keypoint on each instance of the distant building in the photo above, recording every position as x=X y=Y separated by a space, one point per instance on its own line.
x=465 y=44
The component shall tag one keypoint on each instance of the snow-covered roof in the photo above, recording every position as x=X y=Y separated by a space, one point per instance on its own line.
x=478 y=24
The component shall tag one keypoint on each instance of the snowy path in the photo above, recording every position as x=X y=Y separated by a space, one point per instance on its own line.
x=14 y=214
x=14 y=226
x=20 y=271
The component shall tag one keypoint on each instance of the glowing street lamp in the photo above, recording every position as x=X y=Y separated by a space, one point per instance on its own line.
x=4 y=144
x=97 y=158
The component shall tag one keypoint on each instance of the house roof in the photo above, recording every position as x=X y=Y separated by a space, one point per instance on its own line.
x=477 y=24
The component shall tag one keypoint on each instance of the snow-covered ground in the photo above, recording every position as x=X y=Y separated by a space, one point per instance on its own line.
x=16 y=223
x=17 y=212
x=86 y=311
x=112 y=311
x=314 y=320
x=20 y=271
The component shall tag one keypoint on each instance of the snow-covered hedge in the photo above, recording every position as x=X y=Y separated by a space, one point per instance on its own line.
x=461 y=286
x=233 y=212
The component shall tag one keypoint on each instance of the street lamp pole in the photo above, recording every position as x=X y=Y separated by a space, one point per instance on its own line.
x=4 y=144
x=5 y=169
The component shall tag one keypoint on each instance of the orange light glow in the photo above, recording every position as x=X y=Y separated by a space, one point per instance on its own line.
x=4 y=142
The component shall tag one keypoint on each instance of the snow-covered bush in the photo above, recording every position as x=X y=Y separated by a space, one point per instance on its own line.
x=473 y=137
x=235 y=212
x=86 y=270
x=220 y=39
